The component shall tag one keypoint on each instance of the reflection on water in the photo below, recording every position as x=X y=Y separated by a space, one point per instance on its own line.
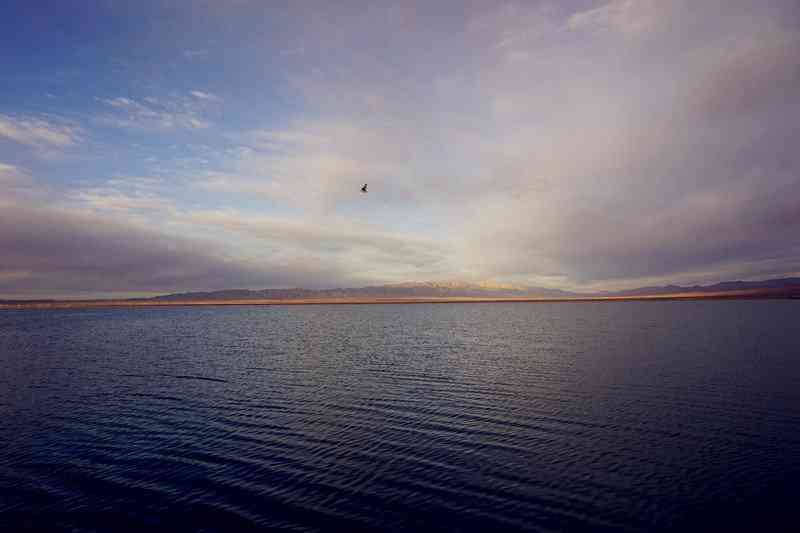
x=569 y=416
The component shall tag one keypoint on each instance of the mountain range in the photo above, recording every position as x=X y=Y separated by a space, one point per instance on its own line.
x=455 y=289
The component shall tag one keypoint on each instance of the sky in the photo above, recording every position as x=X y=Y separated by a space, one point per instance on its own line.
x=161 y=146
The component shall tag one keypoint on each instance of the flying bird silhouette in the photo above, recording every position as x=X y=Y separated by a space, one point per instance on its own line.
x=364 y=188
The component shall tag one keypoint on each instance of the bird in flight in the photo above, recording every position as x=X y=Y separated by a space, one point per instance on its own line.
x=364 y=188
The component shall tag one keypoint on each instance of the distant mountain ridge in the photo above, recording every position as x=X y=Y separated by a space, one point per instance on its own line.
x=440 y=289
x=792 y=284
x=456 y=289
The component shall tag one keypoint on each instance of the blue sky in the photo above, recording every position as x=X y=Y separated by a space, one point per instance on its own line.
x=151 y=147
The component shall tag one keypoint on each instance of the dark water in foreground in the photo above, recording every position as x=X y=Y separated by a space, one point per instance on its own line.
x=485 y=417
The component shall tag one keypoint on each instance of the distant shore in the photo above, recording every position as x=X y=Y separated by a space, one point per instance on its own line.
x=81 y=304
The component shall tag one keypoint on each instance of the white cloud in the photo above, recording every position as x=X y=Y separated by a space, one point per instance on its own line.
x=17 y=187
x=157 y=113
x=201 y=95
x=367 y=251
x=11 y=175
x=110 y=199
x=38 y=132
x=144 y=198
x=123 y=102
x=237 y=184
x=312 y=165
x=629 y=17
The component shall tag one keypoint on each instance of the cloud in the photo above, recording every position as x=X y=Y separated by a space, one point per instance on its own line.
x=38 y=132
x=716 y=229
x=158 y=113
x=746 y=72
x=631 y=18
x=200 y=95
x=52 y=251
x=16 y=185
x=11 y=175
x=571 y=155
x=365 y=250
x=629 y=142
x=312 y=165
x=109 y=199
x=241 y=185
x=126 y=237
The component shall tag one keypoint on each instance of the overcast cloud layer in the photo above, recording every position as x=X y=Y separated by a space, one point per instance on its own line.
x=580 y=145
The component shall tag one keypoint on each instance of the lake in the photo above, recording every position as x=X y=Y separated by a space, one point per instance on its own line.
x=624 y=416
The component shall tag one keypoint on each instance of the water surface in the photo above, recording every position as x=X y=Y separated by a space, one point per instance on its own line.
x=636 y=416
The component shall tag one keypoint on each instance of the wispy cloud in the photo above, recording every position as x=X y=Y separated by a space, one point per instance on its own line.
x=112 y=200
x=228 y=183
x=312 y=165
x=39 y=132
x=11 y=175
x=16 y=185
x=631 y=18
x=369 y=252
x=194 y=54
x=140 y=198
x=201 y=95
x=158 y=113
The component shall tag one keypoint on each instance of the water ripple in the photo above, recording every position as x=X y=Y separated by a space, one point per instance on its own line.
x=485 y=418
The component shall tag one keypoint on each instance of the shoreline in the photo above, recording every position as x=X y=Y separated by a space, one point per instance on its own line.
x=85 y=304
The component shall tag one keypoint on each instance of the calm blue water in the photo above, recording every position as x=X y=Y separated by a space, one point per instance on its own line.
x=635 y=416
